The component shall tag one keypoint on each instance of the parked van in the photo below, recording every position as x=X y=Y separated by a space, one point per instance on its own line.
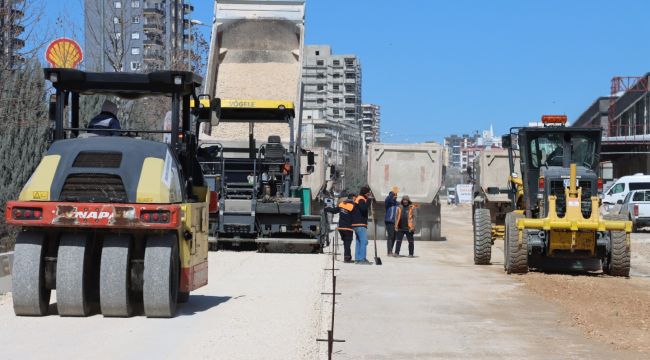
x=623 y=186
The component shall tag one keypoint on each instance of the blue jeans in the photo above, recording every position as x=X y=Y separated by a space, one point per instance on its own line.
x=361 y=244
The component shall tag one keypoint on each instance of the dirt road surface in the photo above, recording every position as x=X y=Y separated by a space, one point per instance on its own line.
x=441 y=306
x=435 y=306
x=256 y=306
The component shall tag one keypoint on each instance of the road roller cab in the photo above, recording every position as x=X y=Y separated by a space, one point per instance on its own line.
x=556 y=219
x=114 y=222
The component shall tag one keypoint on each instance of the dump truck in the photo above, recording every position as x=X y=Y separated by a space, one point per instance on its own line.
x=491 y=200
x=255 y=153
x=417 y=171
x=555 y=221
x=112 y=221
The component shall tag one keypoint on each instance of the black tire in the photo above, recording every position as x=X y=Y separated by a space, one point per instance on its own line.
x=425 y=233
x=436 y=230
x=30 y=297
x=618 y=259
x=161 y=276
x=73 y=275
x=482 y=237
x=516 y=259
x=115 y=296
x=183 y=297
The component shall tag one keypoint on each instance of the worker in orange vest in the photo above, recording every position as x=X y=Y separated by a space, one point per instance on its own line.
x=404 y=225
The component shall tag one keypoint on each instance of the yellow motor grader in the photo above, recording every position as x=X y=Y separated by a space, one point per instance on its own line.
x=556 y=220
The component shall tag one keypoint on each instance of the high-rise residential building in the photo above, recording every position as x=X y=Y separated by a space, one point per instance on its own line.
x=11 y=16
x=371 y=122
x=332 y=103
x=136 y=35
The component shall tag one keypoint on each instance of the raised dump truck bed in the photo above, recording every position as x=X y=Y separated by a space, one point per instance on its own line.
x=417 y=170
x=256 y=53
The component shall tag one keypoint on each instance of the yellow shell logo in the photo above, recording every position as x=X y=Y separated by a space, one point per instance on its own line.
x=64 y=53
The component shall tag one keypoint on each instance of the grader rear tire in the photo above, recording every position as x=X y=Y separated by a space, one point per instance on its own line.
x=161 y=276
x=482 y=237
x=516 y=259
x=618 y=260
x=30 y=297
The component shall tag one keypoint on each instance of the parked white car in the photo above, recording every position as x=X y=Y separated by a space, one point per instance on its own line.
x=636 y=208
x=451 y=196
x=622 y=187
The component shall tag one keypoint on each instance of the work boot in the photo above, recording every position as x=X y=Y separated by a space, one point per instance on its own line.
x=347 y=260
x=411 y=256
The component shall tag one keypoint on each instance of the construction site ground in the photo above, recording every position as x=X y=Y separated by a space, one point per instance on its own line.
x=437 y=305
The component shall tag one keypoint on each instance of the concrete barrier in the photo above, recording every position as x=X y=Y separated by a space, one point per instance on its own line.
x=6 y=261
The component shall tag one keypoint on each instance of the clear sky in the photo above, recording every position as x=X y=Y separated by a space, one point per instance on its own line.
x=442 y=67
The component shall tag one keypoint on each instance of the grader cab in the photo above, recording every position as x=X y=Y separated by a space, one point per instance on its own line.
x=556 y=220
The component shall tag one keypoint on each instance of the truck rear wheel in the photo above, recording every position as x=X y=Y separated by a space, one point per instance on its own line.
x=73 y=275
x=436 y=231
x=30 y=296
x=482 y=237
x=516 y=259
x=161 y=276
x=618 y=259
x=115 y=277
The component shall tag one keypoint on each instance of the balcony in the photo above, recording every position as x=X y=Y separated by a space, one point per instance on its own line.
x=153 y=12
x=152 y=42
x=18 y=43
x=188 y=8
x=153 y=28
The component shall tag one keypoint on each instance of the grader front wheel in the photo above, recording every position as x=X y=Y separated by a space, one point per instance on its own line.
x=482 y=237
x=516 y=259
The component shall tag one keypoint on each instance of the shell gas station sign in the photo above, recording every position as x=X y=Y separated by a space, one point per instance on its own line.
x=64 y=53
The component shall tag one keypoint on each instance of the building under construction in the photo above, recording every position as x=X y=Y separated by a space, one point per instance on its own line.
x=625 y=118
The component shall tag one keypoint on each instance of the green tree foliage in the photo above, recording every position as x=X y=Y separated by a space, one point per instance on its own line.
x=23 y=134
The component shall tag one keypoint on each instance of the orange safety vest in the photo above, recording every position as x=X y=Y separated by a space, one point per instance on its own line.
x=410 y=217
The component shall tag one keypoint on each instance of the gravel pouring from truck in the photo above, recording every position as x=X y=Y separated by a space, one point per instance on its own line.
x=417 y=170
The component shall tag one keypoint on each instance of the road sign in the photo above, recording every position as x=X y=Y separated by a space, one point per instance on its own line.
x=64 y=53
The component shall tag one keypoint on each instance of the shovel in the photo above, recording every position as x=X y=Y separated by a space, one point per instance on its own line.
x=374 y=239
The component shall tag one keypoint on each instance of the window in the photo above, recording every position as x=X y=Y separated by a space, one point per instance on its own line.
x=116 y=20
x=320 y=101
x=617 y=189
x=639 y=186
x=118 y=36
x=319 y=87
x=135 y=36
x=638 y=196
x=350 y=100
x=350 y=76
x=135 y=65
x=336 y=75
x=349 y=88
x=337 y=62
x=349 y=62
x=317 y=52
x=336 y=112
x=320 y=76
x=118 y=4
x=320 y=62
x=336 y=87
x=135 y=20
x=135 y=51
x=135 y=4
x=335 y=100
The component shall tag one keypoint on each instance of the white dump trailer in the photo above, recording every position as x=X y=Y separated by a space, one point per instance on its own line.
x=417 y=170
x=256 y=53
